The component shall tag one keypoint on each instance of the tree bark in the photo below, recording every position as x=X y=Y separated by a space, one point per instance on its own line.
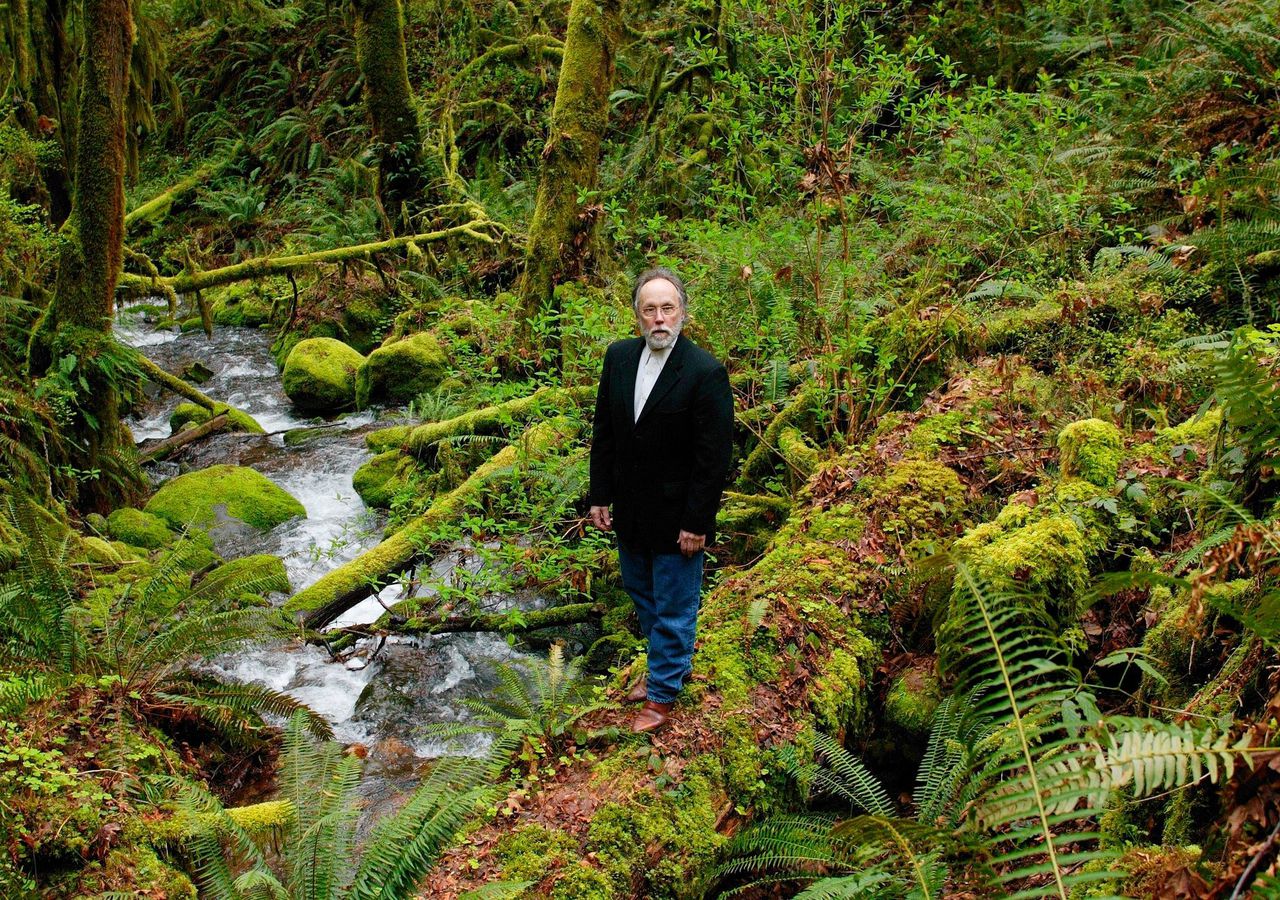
x=379 y=33
x=77 y=324
x=560 y=233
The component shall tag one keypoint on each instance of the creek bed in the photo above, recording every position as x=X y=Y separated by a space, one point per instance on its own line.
x=385 y=691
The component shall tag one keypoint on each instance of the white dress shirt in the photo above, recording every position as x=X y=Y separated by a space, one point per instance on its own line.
x=651 y=363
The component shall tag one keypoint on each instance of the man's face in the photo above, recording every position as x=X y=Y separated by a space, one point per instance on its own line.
x=659 y=314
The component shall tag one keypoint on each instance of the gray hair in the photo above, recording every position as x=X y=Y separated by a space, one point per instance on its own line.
x=653 y=275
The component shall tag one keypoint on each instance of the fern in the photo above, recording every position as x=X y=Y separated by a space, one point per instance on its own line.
x=318 y=855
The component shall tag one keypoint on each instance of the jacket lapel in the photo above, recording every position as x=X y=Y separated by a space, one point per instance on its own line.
x=667 y=378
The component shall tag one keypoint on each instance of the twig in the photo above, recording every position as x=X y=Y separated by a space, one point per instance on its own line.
x=1253 y=863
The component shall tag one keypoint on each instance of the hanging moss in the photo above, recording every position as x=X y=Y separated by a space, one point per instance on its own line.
x=1091 y=449
x=559 y=243
x=380 y=51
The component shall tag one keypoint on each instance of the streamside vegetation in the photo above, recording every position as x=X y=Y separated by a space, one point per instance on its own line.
x=995 y=605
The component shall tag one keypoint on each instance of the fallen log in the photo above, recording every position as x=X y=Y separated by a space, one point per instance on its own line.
x=419 y=439
x=167 y=447
x=282 y=265
x=158 y=206
x=365 y=575
x=510 y=622
x=242 y=420
x=760 y=460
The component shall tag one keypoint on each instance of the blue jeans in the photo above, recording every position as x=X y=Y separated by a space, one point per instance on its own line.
x=666 y=590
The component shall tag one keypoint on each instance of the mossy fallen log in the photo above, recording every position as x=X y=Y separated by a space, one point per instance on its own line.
x=348 y=584
x=282 y=265
x=176 y=442
x=418 y=439
x=760 y=459
x=510 y=622
x=242 y=420
x=158 y=206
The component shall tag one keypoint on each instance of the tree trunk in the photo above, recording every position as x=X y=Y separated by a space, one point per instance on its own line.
x=77 y=324
x=380 y=50
x=560 y=233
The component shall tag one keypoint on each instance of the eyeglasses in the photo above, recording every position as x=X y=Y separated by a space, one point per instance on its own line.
x=668 y=310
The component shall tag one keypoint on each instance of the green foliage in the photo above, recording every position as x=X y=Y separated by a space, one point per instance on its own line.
x=533 y=713
x=318 y=855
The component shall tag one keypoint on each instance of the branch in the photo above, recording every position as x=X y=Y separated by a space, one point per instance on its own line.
x=173 y=443
x=279 y=265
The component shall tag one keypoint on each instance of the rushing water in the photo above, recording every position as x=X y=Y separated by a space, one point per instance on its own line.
x=384 y=692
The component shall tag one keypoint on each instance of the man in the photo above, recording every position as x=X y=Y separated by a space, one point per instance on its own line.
x=660 y=454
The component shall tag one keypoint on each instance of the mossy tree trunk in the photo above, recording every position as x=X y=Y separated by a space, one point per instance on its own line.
x=379 y=33
x=77 y=325
x=559 y=245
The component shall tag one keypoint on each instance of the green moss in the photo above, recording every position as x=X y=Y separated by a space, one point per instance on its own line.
x=97 y=523
x=665 y=839
x=188 y=414
x=933 y=433
x=396 y=373
x=99 y=552
x=1091 y=449
x=320 y=375
x=920 y=497
x=531 y=852
x=245 y=304
x=260 y=573
x=1045 y=556
x=385 y=439
x=912 y=699
x=800 y=454
x=838 y=695
x=138 y=528
x=239 y=492
x=380 y=479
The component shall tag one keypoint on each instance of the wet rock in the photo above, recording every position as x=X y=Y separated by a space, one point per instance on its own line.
x=320 y=375
x=396 y=373
x=238 y=492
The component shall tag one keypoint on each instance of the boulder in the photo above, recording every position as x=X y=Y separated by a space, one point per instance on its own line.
x=139 y=529
x=396 y=373
x=381 y=478
x=208 y=496
x=320 y=375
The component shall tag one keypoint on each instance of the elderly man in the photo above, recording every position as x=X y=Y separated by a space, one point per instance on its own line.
x=660 y=454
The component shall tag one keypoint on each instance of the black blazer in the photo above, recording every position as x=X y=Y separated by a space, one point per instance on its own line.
x=663 y=472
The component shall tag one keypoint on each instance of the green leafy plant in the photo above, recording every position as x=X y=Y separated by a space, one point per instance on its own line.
x=1018 y=768
x=532 y=712
x=314 y=826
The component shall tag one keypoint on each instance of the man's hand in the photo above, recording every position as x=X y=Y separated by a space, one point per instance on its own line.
x=602 y=518
x=691 y=543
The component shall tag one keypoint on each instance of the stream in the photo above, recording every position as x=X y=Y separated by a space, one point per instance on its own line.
x=384 y=692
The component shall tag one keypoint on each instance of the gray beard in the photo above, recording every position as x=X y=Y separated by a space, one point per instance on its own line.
x=662 y=343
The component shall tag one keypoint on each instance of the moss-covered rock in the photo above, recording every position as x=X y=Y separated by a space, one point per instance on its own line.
x=239 y=492
x=912 y=699
x=923 y=497
x=185 y=414
x=100 y=552
x=258 y=574
x=396 y=373
x=320 y=375
x=245 y=304
x=1091 y=449
x=139 y=529
x=381 y=478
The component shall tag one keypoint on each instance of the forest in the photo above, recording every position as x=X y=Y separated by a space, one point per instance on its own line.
x=303 y=312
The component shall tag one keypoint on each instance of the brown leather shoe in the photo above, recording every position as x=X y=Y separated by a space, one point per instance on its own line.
x=640 y=691
x=651 y=717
